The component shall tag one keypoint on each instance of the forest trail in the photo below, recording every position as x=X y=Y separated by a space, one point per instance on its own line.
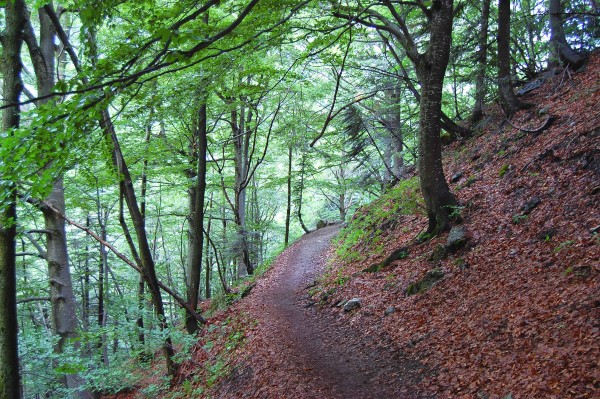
x=297 y=351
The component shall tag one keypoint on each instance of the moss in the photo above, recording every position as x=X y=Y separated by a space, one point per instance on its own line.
x=364 y=233
x=428 y=281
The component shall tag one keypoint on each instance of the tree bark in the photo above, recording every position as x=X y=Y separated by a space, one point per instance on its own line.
x=560 y=50
x=12 y=39
x=508 y=100
x=288 y=209
x=481 y=63
x=145 y=254
x=197 y=223
x=64 y=316
x=431 y=69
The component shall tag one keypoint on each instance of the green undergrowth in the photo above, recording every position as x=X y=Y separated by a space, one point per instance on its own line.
x=364 y=234
x=242 y=287
x=220 y=342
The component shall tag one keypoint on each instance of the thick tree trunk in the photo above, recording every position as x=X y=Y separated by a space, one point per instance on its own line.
x=197 y=222
x=508 y=100
x=481 y=62
x=10 y=379
x=560 y=50
x=241 y=144
x=64 y=316
x=431 y=70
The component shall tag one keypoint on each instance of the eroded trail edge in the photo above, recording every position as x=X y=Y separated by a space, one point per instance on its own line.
x=299 y=351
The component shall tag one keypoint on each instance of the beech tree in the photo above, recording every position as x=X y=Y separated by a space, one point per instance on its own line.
x=508 y=99
x=560 y=49
x=430 y=66
x=12 y=40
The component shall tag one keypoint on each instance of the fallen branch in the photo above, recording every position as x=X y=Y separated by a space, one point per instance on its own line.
x=537 y=130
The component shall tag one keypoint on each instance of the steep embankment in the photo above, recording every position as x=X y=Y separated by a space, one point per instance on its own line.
x=517 y=311
x=513 y=313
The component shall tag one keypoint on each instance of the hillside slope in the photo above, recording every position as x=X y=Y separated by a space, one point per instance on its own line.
x=517 y=312
x=512 y=313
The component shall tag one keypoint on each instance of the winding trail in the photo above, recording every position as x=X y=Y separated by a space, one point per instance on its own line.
x=297 y=351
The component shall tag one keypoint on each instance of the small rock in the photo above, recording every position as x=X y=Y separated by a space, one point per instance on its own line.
x=595 y=230
x=439 y=252
x=544 y=111
x=530 y=205
x=456 y=177
x=457 y=238
x=428 y=281
x=390 y=310
x=546 y=235
x=352 y=304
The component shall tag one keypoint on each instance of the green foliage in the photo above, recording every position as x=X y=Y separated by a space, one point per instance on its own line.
x=503 y=170
x=371 y=221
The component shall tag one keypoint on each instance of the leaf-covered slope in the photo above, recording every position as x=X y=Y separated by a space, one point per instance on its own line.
x=518 y=310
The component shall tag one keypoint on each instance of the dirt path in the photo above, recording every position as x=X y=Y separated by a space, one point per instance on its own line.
x=296 y=351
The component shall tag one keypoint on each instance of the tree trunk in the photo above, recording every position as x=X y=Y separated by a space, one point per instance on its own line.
x=431 y=69
x=481 y=62
x=197 y=222
x=145 y=254
x=64 y=316
x=288 y=210
x=10 y=379
x=396 y=133
x=207 y=281
x=560 y=50
x=300 y=190
x=241 y=142
x=508 y=100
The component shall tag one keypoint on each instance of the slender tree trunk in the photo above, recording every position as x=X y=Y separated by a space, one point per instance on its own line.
x=10 y=379
x=431 y=69
x=289 y=197
x=300 y=190
x=481 y=62
x=560 y=50
x=207 y=281
x=145 y=254
x=396 y=133
x=508 y=100
x=197 y=231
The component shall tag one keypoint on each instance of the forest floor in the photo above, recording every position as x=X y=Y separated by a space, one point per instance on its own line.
x=516 y=313
x=293 y=351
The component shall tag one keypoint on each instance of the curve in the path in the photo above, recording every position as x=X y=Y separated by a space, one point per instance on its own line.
x=323 y=359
